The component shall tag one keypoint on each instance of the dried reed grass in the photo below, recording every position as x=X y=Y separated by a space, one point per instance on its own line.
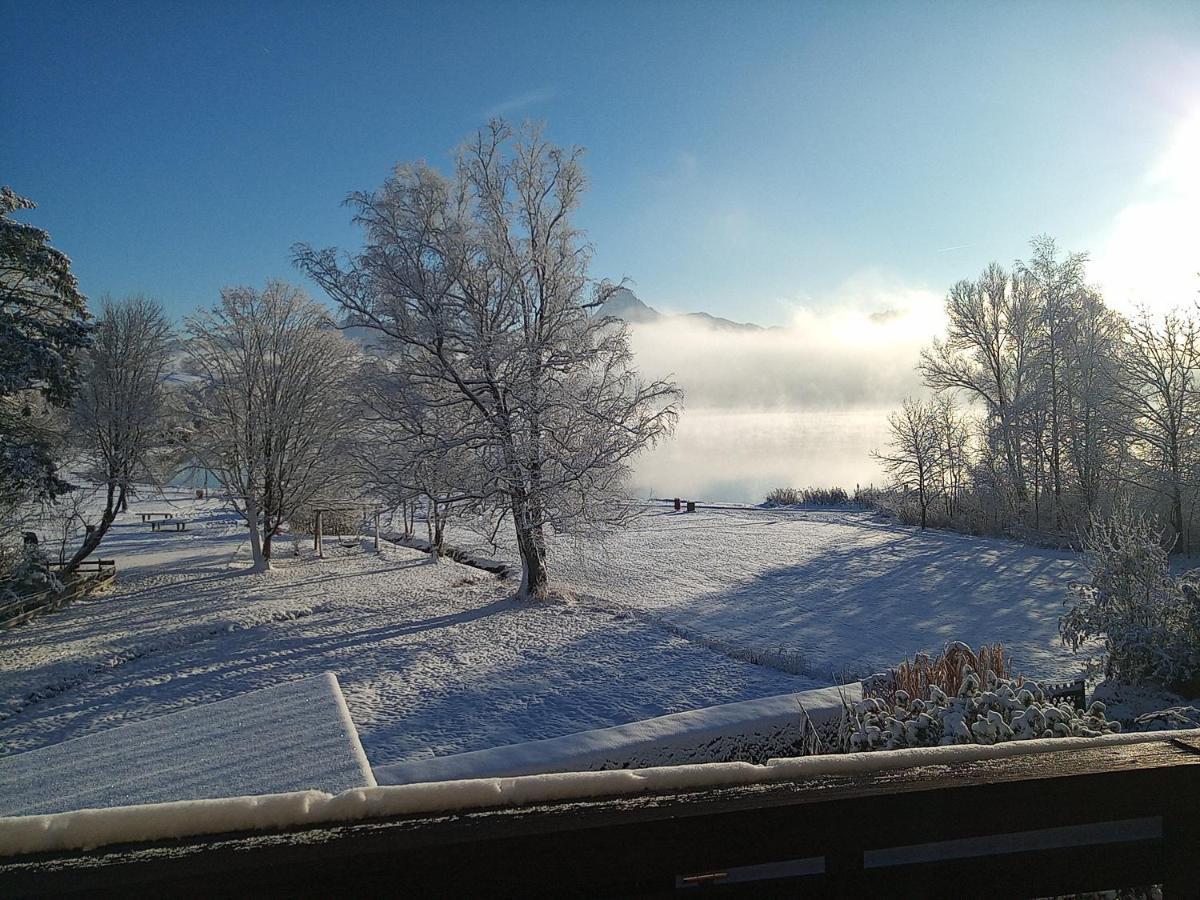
x=947 y=670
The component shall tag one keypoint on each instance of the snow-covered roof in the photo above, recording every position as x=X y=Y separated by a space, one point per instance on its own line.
x=291 y=737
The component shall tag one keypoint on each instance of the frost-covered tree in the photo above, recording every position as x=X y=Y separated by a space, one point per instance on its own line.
x=914 y=455
x=272 y=404
x=43 y=327
x=1056 y=286
x=414 y=452
x=1157 y=407
x=989 y=355
x=1095 y=441
x=119 y=419
x=480 y=283
x=954 y=459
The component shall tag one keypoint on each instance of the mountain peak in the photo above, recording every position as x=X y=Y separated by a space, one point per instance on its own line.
x=625 y=304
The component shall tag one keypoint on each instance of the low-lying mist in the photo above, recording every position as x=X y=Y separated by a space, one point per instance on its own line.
x=797 y=405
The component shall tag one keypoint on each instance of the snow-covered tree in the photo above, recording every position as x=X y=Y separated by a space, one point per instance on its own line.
x=954 y=460
x=119 y=418
x=1056 y=286
x=989 y=355
x=914 y=455
x=480 y=283
x=1095 y=441
x=43 y=327
x=1157 y=407
x=416 y=453
x=272 y=404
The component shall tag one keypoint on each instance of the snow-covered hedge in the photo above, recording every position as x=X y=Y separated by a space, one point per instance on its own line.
x=980 y=713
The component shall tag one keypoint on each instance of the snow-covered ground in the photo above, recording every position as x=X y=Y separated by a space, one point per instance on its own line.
x=827 y=593
x=433 y=659
x=680 y=612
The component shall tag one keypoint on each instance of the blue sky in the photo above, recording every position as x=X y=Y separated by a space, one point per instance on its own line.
x=745 y=158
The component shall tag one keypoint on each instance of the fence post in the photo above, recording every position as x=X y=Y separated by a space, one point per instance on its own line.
x=677 y=504
x=376 y=529
x=318 y=545
x=691 y=506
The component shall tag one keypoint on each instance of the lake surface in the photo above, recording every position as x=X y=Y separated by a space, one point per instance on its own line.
x=739 y=456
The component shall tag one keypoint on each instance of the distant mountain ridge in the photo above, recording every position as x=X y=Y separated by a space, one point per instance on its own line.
x=625 y=304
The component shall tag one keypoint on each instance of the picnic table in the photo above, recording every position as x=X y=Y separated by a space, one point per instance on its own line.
x=179 y=524
x=147 y=516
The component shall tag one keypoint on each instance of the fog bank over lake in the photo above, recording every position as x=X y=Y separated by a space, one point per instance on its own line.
x=738 y=456
x=799 y=405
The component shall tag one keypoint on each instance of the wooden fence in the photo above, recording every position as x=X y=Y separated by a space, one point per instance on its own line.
x=1022 y=826
x=89 y=576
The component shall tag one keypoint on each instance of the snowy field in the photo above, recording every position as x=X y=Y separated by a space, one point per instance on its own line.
x=680 y=612
x=828 y=594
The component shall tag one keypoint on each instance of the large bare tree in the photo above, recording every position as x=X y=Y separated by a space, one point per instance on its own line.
x=119 y=417
x=480 y=282
x=272 y=404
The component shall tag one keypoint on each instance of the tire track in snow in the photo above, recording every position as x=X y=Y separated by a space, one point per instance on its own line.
x=791 y=662
x=122 y=658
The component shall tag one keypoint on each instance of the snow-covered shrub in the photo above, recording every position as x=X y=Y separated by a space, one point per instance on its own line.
x=1170 y=719
x=783 y=497
x=1149 y=620
x=983 y=711
x=834 y=496
x=29 y=578
x=811 y=496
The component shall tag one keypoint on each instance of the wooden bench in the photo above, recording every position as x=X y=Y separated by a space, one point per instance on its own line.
x=147 y=516
x=179 y=524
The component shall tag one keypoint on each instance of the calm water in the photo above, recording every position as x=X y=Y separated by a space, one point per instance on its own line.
x=740 y=456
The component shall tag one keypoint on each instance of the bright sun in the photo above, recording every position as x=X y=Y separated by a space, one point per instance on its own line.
x=1152 y=255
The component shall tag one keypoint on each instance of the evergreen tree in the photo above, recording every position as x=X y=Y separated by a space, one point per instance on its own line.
x=43 y=326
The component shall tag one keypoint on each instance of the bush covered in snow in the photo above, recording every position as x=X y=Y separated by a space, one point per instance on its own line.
x=1170 y=719
x=834 y=496
x=31 y=577
x=983 y=711
x=1149 y=619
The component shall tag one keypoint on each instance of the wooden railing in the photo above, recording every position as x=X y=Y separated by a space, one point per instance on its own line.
x=89 y=576
x=1023 y=826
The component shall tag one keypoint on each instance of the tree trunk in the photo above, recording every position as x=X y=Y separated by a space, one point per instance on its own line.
x=535 y=578
x=439 y=532
x=1177 y=520
x=435 y=549
x=259 y=562
x=113 y=501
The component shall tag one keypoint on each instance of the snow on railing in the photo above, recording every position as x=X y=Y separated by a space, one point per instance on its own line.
x=91 y=828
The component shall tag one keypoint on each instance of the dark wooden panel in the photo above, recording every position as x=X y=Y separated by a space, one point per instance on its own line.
x=640 y=844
